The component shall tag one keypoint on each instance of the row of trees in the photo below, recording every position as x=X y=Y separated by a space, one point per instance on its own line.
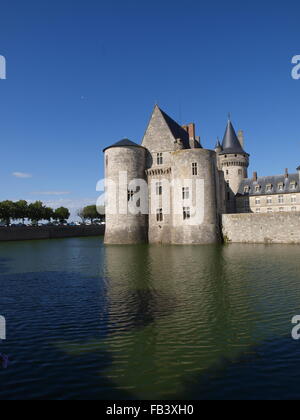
x=35 y=212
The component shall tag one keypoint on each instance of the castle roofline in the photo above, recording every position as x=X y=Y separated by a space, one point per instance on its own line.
x=274 y=181
x=123 y=143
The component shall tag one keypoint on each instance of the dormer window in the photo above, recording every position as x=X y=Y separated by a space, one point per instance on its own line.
x=293 y=185
x=257 y=188
x=246 y=189
x=280 y=186
x=269 y=188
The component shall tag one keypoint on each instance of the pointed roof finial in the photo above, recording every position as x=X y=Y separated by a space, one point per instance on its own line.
x=229 y=116
x=218 y=144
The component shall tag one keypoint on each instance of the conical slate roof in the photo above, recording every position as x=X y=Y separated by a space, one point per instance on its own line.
x=123 y=143
x=231 y=144
x=218 y=144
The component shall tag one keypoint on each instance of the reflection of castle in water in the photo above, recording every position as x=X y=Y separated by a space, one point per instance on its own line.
x=179 y=310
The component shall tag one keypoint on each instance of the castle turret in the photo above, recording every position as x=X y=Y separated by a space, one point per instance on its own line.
x=234 y=162
x=125 y=165
x=218 y=147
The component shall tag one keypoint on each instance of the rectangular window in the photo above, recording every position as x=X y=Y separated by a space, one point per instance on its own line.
x=257 y=201
x=186 y=213
x=240 y=172
x=159 y=215
x=294 y=208
x=257 y=210
x=270 y=211
x=246 y=205
x=294 y=199
x=185 y=193
x=195 y=169
x=281 y=209
x=269 y=200
x=160 y=159
x=281 y=199
x=130 y=195
x=158 y=188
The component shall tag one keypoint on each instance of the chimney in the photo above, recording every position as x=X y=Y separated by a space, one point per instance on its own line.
x=254 y=176
x=286 y=173
x=241 y=138
x=191 y=130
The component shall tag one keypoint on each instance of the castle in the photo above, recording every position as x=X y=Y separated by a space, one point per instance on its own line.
x=182 y=176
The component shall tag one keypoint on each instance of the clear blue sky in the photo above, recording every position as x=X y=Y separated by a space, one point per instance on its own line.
x=84 y=74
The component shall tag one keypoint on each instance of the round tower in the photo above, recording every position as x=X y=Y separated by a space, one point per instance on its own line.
x=195 y=188
x=234 y=162
x=125 y=166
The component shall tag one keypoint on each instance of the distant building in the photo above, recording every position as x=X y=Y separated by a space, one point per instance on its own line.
x=269 y=194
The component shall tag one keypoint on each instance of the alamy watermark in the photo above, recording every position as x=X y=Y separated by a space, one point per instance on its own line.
x=4 y=361
x=296 y=68
x=2 y=67
x=2 y=328
x=296 y=329
x=159 y=197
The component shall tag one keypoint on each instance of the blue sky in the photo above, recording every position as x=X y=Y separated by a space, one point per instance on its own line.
x=84 y=74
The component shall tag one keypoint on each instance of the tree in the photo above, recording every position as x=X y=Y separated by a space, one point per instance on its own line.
x=90 y=213
x=21 y=210
x=7 y=211
x=48 y=214
x=36 y=212
x=62 y=214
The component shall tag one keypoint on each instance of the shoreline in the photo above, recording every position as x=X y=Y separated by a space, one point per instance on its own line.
x=8 y=234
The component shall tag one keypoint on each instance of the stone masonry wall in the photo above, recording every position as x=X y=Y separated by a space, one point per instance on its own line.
x=274 y=228
x=48 y=232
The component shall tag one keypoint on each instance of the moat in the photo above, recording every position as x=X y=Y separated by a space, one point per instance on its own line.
x=85 y=321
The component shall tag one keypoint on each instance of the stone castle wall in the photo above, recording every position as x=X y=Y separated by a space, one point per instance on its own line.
x=262 y=228
x=48 y=232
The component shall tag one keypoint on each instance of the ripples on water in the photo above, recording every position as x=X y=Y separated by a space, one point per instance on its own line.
x=87 y=321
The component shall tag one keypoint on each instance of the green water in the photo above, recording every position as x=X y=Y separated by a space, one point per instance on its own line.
x=165 y=322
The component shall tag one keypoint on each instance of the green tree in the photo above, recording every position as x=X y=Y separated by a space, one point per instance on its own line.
x=90 y=213
x=7 y=211
x=48 y=214
x=36 y=212
x=21 y=210
x=62 y=214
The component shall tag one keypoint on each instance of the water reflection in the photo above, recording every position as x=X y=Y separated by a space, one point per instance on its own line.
x=149 y=321
x=198 y=306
